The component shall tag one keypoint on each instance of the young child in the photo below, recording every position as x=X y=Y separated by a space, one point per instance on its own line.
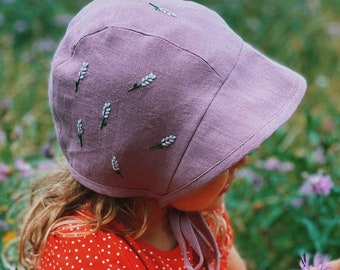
x=156 y=105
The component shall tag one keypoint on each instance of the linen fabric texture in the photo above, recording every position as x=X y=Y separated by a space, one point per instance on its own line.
x=219 y=96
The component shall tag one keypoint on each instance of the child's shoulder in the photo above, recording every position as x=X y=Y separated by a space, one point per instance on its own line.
x=76 y=247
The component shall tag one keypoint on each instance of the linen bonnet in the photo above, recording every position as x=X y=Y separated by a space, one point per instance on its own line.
x=155 y=99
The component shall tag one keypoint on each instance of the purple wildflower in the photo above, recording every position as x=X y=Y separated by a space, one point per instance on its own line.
x=274 y=164
x=2 y=137
x=319 y=263
x=304 y=262
x=297 y=203
x=3 y=226
x=17 y=133
x=334 y=29
x=319 y=156
x=47 y=150
x=319 y=184
x=47 y=165
x=46 y=45
x=254 y=178
x=4 y=172
x=257 y=181
x=25 y=168
x=20 y=26
x=63 y=19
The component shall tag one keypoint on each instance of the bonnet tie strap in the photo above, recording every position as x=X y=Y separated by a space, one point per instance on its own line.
x=194 y=229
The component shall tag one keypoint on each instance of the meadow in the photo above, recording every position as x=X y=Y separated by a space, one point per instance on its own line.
x=286 y=202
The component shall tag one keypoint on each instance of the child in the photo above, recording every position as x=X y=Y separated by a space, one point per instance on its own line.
x=156 y=104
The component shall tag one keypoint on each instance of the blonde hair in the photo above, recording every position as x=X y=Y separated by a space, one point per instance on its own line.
x=57 y=197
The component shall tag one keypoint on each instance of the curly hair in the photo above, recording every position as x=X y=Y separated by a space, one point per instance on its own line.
x=57 y=197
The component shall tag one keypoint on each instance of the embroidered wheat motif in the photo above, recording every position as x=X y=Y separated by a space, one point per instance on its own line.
x=81 y=74
x=105 y=114
x=144 y=82
x=115 y=166
x=164 y=10
x=165 y=142
x=80 y=131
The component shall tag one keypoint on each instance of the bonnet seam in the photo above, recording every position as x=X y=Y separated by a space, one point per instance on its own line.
x=203 y=116
x=293 y=93
x=144 y=34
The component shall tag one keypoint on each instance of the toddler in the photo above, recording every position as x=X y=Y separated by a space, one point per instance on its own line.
x=156 y=105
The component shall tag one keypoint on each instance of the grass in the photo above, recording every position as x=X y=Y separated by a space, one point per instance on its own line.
x=271 y=229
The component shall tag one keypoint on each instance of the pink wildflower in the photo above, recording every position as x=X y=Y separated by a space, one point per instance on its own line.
x=319 y=156
x=25 y=168
x=253 y=177
x=319 y=263
x=47 y=165
x=304 y=262
x=274 y=164
x=319 y=184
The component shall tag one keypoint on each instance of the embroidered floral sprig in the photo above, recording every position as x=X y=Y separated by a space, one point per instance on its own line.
x=80 y=131
x=115 y=166
x=81 y=73
x=105 y=114
x=164 y=10
x=144 y=82
x=165 y=142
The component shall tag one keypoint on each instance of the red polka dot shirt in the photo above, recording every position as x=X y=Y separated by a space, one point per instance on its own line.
x=104 y=250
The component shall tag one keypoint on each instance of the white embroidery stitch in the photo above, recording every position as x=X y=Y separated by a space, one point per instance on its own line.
x=164 y=10
x=144 y=82
x=165 y=142
x=148 y=79
x=105 y=114
x=81 y=73
x=80 y=131
x=115 y=166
